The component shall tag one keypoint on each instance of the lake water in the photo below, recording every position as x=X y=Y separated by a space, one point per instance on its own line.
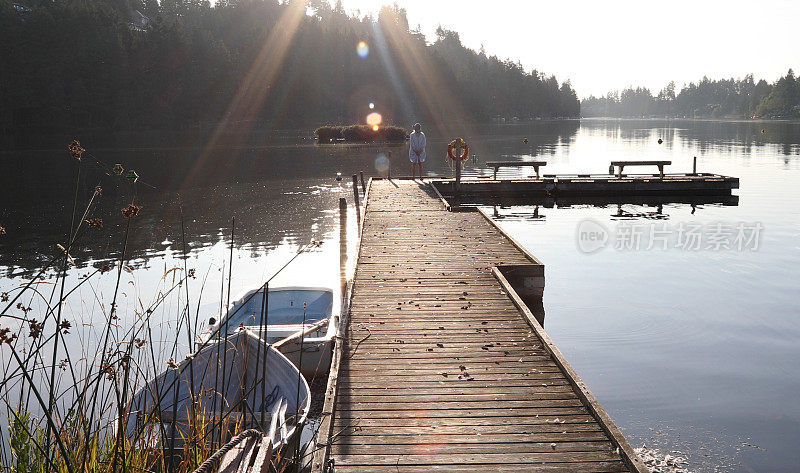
x=690 y=350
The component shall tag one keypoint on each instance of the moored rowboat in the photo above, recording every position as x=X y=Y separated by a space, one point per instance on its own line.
x=236 y=383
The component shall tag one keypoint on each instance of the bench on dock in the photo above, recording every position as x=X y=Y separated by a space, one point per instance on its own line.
x=507 y=164
x=622 y=164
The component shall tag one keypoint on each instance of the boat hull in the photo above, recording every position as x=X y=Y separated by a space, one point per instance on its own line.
x=236 y=383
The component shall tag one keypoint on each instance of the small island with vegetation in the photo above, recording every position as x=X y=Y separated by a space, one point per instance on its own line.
x=360 y=134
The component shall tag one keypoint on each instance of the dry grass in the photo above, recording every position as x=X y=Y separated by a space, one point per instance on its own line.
x=67 y=406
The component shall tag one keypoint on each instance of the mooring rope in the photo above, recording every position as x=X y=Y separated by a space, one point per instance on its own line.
x=206 y=466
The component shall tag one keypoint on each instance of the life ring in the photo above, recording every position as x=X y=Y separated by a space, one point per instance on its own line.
x=458 y=143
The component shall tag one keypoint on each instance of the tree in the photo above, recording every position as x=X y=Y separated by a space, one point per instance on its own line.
x=80 y=65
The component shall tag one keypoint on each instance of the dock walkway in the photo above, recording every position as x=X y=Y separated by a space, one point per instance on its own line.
x=442 y=367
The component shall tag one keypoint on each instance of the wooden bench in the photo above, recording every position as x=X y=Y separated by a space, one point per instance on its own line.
x=504 y=164
x=621 y=165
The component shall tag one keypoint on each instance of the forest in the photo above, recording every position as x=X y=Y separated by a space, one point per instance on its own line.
x=726 y=98
x=72 y=65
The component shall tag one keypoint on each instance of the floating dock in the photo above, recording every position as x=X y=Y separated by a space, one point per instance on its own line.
x=589 y=185
x=442 y=362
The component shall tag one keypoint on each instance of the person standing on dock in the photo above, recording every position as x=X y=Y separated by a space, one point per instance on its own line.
x=416 y=150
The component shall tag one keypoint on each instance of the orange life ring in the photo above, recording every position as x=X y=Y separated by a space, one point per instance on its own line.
x=453 y=144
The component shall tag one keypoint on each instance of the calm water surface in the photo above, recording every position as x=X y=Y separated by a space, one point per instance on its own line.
x=689 y=350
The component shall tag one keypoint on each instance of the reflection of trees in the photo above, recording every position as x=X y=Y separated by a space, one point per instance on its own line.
x=267 y=214
x=507 y=142
x=724 y=137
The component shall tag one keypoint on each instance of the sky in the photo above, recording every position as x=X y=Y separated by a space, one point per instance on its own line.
x=603 y=45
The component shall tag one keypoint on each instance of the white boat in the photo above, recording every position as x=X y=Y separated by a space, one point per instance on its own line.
x=238 y=382
x=292 y=316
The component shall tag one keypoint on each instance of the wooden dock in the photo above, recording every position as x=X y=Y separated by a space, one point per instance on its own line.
x=594 y=185
x=442 y=366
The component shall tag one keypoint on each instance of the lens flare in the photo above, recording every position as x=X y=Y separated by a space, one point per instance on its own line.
x=375 y=127
x=374 y=119
x=371 y=105
x=362 y=49
x=382 y=164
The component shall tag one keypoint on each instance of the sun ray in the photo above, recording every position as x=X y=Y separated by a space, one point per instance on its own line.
x=255 y=86
x=427 y=79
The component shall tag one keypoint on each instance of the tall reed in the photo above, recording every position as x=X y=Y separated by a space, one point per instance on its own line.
x=68 y=387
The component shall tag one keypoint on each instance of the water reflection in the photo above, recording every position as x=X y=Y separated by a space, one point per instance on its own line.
x=280 y=193
x=692 y=335
x=704 y=135
x=678 y=346
x=268 y=215
x=694 y=201
x=634 y=210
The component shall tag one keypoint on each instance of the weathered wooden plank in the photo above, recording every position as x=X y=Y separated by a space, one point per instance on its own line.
x=439 y=447
x=488 y=371
x=459 y=405
x=476 y=437
x=445 y=395
x=509 y=466
x=393 y=367
x=455 y=383
x=389 y=459
x=488 y=424
x=345 y=412
x=511 y=392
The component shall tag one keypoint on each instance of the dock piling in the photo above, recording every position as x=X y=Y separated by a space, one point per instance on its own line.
x=342 y=243
x=694 y=166
x=458 y=175
x=355 y=197
x=363 y=186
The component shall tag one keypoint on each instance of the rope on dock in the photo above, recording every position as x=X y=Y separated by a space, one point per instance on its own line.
x=206 y=466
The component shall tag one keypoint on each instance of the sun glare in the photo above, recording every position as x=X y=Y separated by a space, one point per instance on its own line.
x=374 y=119
x=362 y=49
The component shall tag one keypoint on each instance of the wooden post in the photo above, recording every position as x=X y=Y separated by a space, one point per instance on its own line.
x=458 y=175
x=363 y=186
x=342 y=244
x=355 y=197
x=694 y=166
